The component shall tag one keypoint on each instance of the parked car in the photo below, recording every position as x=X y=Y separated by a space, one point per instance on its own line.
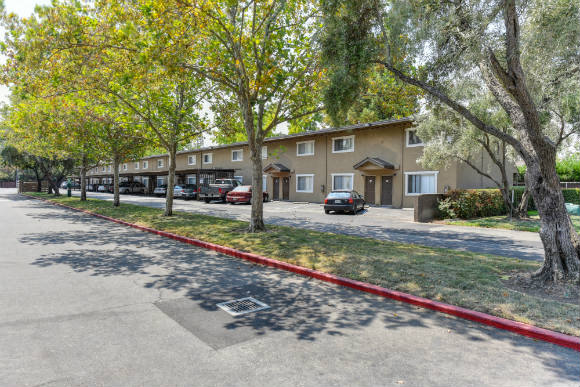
x=242 y=194
x=344 y=201
x=134 y=187
x=160 y=190
x=103 y=188
x=216 y=191
x=185 y=191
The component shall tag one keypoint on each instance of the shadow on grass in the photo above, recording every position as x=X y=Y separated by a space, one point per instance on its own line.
x=307 y=308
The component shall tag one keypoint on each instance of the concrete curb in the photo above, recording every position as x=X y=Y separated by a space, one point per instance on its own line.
x=468 y=314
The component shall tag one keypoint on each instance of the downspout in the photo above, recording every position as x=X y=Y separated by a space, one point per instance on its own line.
x=404 y=133
x=326 y=168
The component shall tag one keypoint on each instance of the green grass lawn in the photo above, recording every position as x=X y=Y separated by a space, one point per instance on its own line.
x=532 y=224
x=460 y=278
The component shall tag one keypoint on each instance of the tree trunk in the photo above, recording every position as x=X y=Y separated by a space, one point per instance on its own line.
x=116 y=198
x=521 y=212
x=560 y=240
x=38 y=180
x=84 y=179
x=257 y=217
x=170 y=181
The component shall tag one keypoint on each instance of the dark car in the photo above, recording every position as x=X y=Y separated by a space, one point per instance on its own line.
x=242 y=194
x=344 y=201
x=185 y=191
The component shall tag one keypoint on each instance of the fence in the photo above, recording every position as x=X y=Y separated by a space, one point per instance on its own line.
x=563 y=184
x=7 y=184
x=31 y=186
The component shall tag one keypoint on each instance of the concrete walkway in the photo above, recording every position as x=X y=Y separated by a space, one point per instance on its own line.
x=86 y=302
x=376 y=222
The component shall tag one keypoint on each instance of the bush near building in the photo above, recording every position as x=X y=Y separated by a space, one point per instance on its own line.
x=481 y=203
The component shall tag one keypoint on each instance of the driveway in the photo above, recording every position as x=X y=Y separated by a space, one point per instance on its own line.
x=86 y=302
x=376 y=222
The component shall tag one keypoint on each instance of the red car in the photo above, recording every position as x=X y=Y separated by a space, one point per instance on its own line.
x=242 y=194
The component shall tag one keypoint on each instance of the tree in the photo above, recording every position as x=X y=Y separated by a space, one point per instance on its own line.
x=456 y=39
x=259 y=57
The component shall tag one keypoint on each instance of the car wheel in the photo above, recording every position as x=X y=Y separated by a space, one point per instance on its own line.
x=327 y=212
x=206 y=200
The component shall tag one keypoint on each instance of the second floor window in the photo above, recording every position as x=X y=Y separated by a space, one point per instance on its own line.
x=305 y=148
x=160 y=163
x=137 y=165
x=208 y=158
x=237 y=155
x=124 y=167
x=191 y=160
x=145 y=164
x=343 y=144
x=413 y=139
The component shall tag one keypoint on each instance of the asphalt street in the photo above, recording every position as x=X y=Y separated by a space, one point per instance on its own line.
x=86 y=302
x=376 y=222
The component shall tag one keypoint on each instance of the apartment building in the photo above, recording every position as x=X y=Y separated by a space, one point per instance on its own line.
x=379 y=160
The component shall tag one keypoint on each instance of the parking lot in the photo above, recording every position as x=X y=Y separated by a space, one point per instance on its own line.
x=376 y=222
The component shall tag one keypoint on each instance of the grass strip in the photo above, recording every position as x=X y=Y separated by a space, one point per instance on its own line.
x=532 y=224
x=465 y=279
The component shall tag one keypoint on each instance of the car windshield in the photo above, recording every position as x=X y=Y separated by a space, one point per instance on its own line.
x=177 y=187
x=189 y=186
x=123 y=184
x=242 y=188
x=162 y=186
x=339 y=195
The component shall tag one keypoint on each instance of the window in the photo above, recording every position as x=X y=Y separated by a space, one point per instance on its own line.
x=191 y=179
x=145 y=164
x=103 y=168
x=305 y=148
x=304 y=183
x=137 y=165
x=191 y=160
x=146 y=181
x=237 y=155
x=413 y=139
x=343 y=144
x=417 y=183
x=240 y=179
x=124 y=167
x=160 y=163
x=160 y=181
x=342 y=181
x=108 y=168
x=208 y=158
x=264 y=183
x=264 y=152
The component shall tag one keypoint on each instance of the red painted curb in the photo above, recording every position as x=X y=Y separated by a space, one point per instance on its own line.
x=468 y=314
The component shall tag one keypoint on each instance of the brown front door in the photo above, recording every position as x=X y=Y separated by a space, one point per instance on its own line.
x=286 y=188
x=387 y=190
x=276 y=188
x=370 y=189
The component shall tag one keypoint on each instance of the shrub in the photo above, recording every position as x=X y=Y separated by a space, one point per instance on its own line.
x=571 y=195
x=473 y=203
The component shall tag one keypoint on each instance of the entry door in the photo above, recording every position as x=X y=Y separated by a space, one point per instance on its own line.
x=286 y=188
x=370 y=189
x=387 y=190
x=276 y=187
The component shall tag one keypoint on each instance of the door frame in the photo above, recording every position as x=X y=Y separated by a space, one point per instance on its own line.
x=382 y=189
x=374 y=186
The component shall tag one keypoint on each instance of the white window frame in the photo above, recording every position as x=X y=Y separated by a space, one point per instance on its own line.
x=210 y=158
x=305 y=142
x=240 y=179
x=190 y=158
x=109 y=168
x=351 y=175
x=162 y=179
x=305 y=175
x=436 y=173
x=125 y=167
x=241 y=155
x=407 y=139
x=136 y=165
x=264 y=152
x=190 y=177
x=340 y=138
x=159 y=163
x=103 y=169
x=145 y=164
x=264 y=183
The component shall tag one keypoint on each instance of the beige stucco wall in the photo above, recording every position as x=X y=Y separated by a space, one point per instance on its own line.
x=387 y=142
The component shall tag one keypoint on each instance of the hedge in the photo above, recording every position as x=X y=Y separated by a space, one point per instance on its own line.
x=472 y=203
x=481 y=203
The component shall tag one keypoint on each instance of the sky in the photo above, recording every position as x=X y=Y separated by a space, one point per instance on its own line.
x=22 y=8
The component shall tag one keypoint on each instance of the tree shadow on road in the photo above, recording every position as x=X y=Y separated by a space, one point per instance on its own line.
x=305 y=307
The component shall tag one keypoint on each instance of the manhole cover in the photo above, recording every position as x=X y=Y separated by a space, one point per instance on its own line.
x=242 y=306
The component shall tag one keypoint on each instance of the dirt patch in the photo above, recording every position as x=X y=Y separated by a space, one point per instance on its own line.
x=567 y=292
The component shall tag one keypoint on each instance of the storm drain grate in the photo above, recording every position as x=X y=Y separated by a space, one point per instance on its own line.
x=242 y=306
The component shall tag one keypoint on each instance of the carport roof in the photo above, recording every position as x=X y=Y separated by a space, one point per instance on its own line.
x=376 y=161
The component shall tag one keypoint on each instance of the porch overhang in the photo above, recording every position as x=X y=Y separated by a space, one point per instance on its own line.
x=375 y=166
x=277 y=169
